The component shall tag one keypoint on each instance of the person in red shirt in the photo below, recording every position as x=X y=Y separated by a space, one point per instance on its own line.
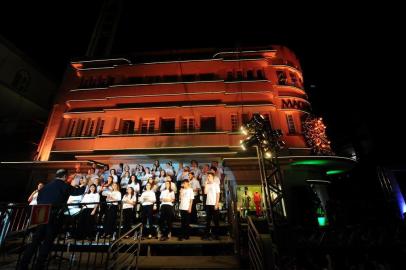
x=257 y=202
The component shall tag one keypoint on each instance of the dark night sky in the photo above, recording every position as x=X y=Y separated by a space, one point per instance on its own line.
x=346 y=52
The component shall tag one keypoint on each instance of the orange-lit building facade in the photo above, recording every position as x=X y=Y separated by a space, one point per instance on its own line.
x=185 y=105
x=113 y=107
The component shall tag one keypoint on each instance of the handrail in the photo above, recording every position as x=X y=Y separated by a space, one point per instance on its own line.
x=233 y=215
x=14 y=218
x=121 y=253
x=87 y=251
x=255 y=248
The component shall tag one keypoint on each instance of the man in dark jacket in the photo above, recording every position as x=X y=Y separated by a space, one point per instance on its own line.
x=55 y=193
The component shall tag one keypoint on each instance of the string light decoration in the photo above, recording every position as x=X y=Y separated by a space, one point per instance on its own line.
x=314 y=132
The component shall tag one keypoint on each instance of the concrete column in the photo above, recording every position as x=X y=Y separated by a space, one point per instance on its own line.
x=109 y=125
x=64 y=127
x=50 y=133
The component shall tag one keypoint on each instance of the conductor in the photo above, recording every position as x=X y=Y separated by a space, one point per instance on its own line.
x=55 y=193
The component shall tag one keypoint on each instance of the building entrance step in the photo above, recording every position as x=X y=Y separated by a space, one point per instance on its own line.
x=193 y=240
x=188 y=262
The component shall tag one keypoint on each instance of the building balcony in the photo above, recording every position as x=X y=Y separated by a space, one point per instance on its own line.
x=283 y=62
x=290 y=86
x=147 y=141
x=292 y=94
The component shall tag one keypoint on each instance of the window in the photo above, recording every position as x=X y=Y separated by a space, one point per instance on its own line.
x=250 y=75
x=92 y=82
x=281 y=77
x=230 y=76
x=189 y=78
x=128 y=127
x=170 y=78
x=71 y=127
x=207 y=77
x=102 y=81
x=91 y=128
x=239 y=76
x=147 y=126
x=291 y=124
x=234 y=122
x=208 y=124
x=293 y=79
x=110 y=80
x=83 y=82
x=149 y=79
x=135 y=80
x=100 y=129
x=245 y=118
x=260 y=74
x=81 y=123
x=188 y=125
x=300 y=83
x=267 y=118
x=168 y=125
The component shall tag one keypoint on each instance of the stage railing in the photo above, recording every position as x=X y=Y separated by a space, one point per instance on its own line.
x=125 y=251
x=255 y=248
x=14 y=218
x=73 y=250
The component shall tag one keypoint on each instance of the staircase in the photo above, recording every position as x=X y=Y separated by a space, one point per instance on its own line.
x=193 y=253
x=69 y=252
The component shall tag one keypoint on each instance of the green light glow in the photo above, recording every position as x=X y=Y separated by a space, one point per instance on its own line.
x=331 y=172
x=310 y=162
x=322 y=221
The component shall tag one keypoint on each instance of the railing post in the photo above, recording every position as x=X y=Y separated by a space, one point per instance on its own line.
x=121 y=219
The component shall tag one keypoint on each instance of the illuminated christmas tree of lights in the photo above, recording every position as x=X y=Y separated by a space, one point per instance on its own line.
x=314 y=132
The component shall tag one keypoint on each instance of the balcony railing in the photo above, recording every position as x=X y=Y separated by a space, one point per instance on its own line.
x=284 y=62
x=296 y=85
x=154 y=133
x=105 y=83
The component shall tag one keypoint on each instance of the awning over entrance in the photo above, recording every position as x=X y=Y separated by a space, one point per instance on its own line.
x=245 y=170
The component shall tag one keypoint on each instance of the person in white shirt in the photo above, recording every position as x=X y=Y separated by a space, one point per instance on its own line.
x=74 y=209
x=147 y=200
x=33 y=197
x=195 y=185
x=216 y=178
x=112 y=207
x=129 y=201
x=212 y=191
x=127 y=169
x=167 y=213
x=145 y=177
x=125 y=179
x=185 y=207
x=160 y=179
x=87 y=219
x=169 y=170
x=218 y=170
x=105 y=173
x=97 y=181
x=156 y=167
x=114 y=175
x=183 y=174
x=205 y=170
x=194 y=167
x=91 y=174
x=76 y=177
x=173 y=186
x=134 y=184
